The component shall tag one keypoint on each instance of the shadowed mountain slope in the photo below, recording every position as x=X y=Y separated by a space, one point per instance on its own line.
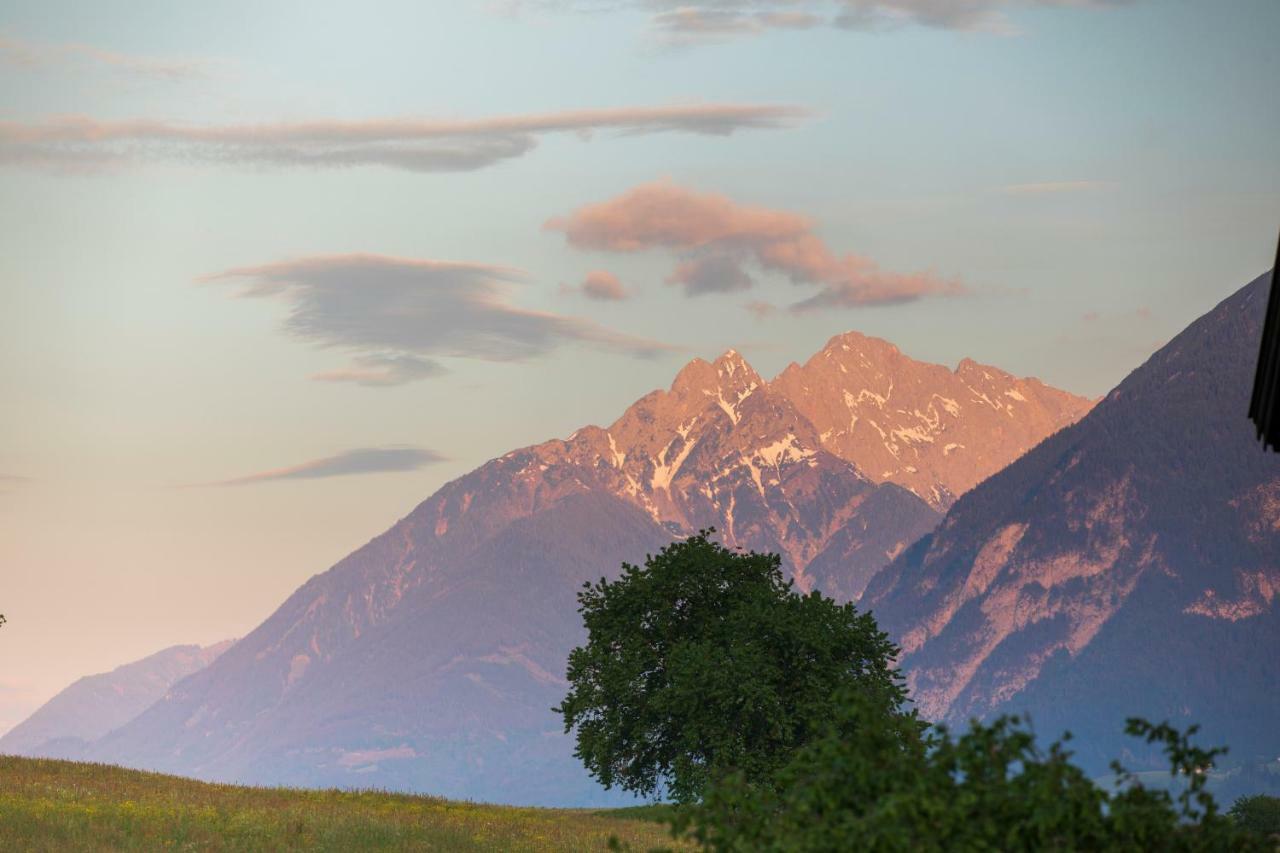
x=1128 y=565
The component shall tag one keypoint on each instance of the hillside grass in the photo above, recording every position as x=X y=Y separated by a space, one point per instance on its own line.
x=61 y=805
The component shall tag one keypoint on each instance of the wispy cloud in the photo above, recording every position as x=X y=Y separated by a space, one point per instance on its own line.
x=381 y=371
x=603 y=286
x=393 y=314
x=715 y=237
x=761 y=310
x=22 y=53
x=362 y=460
x=420 y=145
x=11 y=482
x=684 y=22
x=692 y=25
x=1048 y=187
x=967 y=15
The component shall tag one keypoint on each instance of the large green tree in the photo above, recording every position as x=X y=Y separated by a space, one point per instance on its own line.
x=705 y=661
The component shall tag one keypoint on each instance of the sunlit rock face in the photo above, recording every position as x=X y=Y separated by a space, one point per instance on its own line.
x=934 y=431
x=429 y=659
x=1128 y=565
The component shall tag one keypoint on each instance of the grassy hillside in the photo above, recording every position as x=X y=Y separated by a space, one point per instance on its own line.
x=55 y=805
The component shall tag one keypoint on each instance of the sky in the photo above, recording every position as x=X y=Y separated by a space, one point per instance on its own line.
x=273 y=272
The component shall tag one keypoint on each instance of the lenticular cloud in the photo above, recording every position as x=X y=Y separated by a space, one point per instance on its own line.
x=393 y=315
x=716 y=238
x=418 y=145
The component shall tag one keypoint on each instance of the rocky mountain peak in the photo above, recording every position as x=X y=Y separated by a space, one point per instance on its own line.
x=932 y=430
x=854 y=344
x=694 y=376
x=728 y=372
x=732 y=367
x=726 y=383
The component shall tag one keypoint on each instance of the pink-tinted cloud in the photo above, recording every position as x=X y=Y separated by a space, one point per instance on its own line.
x=760 y=310
x=424 y=145
x=715 y=236
x=42 y=55
x=691 y=25
x=663 y=214
x=604 y=286
x=394 y=315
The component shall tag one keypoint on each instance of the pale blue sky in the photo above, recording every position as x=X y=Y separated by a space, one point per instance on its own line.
x=1139 y=141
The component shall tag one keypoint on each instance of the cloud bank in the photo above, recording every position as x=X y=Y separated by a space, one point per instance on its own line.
x=362 y=460
x=394 y=314
x=417 y=145
x=716 y=237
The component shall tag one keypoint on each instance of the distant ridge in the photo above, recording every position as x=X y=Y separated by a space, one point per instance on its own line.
x=67 y=724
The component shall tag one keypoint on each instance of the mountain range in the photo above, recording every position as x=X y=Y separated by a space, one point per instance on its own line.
x=429 y=659
x=1094 y=562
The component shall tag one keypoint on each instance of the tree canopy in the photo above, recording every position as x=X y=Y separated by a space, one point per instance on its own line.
x=705 y=661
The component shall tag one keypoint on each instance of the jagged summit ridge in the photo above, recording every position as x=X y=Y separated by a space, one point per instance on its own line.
x=724 y=448
x=932 y=430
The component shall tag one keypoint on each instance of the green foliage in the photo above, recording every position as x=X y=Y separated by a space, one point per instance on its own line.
x=63 y=805
x=876 y=782
x=704 y=662
x=1259 y=814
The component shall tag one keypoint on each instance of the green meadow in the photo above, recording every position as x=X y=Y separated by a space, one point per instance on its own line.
x=63 y=805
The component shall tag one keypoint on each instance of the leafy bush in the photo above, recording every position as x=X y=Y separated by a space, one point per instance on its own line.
x=876 y=782
x=1260 y=814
